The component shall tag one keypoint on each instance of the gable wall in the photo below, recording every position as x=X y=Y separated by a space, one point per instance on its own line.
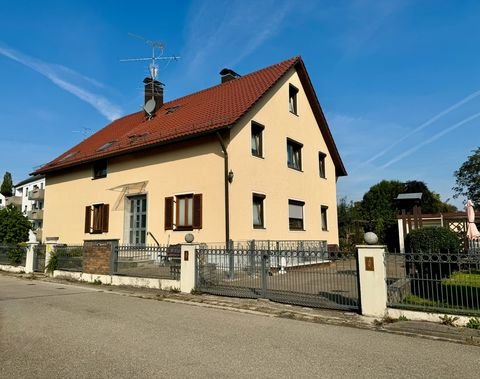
x=271 y=176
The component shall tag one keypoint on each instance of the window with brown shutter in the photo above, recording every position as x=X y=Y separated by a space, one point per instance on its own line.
x=188 y=212
x=96 y=218
x=197 y=211
x=168 y=213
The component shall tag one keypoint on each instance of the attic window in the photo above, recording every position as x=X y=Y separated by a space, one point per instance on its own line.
x=69 y=155
x=105 y=146
x=172 y=109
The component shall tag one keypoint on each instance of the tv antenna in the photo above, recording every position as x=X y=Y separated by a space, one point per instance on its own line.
x=85 y=132
x=157 y=55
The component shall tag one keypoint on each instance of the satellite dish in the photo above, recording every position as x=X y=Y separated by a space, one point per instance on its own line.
x=149 y=106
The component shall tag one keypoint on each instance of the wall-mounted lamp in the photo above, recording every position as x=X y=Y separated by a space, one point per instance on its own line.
x=230 y=176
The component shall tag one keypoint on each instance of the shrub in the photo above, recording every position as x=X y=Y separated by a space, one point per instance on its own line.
x=473 y=323
x=433 y=240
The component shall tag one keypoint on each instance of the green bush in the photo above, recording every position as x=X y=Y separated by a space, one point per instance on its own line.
x=433 y=240
x=16 y=254
x=473 y=323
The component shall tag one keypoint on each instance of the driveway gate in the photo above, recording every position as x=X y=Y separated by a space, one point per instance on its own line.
x=302 y=277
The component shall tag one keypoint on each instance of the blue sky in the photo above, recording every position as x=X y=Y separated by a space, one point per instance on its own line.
x=399 y=81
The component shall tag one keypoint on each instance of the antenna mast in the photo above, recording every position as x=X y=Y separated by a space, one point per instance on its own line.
x=153 y=66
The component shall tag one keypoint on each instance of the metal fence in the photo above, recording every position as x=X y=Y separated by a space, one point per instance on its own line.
x=434 y=282
x=68 y=258
x=147 y=261
x=309 y=277
x=273 y=245
x=13 y=254
x=39 y=252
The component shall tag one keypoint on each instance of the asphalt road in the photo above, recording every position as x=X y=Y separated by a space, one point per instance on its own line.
x=49 y=330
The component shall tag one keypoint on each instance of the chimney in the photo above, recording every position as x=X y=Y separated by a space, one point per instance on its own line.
x=153 y=90
x=226 y=75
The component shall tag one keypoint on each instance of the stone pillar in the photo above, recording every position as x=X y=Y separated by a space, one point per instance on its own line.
x=372 y=284
x=187 y=269
x=50 y=243
x=30 y=258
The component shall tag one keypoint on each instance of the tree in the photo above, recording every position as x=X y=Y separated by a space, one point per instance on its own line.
x=14 y=226
x=380 y=210
x=350 y=225
x=7 y=185
x=468 y=178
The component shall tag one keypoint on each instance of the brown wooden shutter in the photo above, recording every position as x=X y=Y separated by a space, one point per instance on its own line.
x=197 y=211
x=105 y=216
x=168 y=213
x=88 y=215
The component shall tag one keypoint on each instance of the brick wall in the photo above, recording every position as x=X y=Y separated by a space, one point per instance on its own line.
x=97 y=257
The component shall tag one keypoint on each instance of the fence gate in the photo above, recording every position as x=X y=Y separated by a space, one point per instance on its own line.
x=39 y=258
x=302 y=277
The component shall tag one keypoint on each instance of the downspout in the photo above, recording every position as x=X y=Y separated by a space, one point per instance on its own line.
x=227 y=198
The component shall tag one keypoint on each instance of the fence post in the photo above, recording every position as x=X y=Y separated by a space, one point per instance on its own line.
x=30 y=259
x=372 y=284
x=187 y=269
x=49 y=249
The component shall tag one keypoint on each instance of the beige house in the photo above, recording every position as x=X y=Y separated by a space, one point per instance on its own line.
x=250 y=158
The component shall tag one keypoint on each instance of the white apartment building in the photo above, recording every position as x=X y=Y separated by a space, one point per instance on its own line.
x=29 y=195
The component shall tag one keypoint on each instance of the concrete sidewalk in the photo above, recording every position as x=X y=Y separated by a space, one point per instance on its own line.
x=267 y=308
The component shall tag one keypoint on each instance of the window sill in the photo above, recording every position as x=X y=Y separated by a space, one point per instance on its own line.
x=183 y=229
x=259 y=227
x=297 y=230
x=295 y=114
x=295 y=169
x=99 y=177
x=258 y=156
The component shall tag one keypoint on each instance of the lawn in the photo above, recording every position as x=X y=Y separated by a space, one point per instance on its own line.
x=463 y=279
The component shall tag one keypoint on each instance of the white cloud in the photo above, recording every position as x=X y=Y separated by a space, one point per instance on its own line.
x=57 y=75
x=233 y=29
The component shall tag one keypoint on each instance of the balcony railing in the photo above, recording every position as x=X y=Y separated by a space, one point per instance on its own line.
x=15 y=200
x=35 y=214
x=36 y=194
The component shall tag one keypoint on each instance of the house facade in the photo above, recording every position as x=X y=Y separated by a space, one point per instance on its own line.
x=29 y=196
x=251 y=158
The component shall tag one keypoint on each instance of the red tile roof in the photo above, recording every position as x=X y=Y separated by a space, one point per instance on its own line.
x=202 y=112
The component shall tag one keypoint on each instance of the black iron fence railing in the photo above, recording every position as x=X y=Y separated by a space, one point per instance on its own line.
x=13 y=254
x=434 y=282
x=303 y=277
x=149 y=261
x=68 y=258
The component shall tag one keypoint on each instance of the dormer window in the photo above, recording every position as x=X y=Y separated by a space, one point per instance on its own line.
x=100 y=169
x=292 y=99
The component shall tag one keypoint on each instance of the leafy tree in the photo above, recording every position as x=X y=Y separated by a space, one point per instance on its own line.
x=7 y=186
x=14 y=226
x=350 y=224
x=380 y=210
x=468 y=178
x=431 y=202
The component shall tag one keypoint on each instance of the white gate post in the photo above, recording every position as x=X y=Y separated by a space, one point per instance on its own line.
x=50 y=243
x=29 y=262
x=187 y=269
x=371 y=273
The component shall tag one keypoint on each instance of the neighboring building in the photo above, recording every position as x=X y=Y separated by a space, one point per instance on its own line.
x=2 y=201
x=29 y=196
x=250 y=158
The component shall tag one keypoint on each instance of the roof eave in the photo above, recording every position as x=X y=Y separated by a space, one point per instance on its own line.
x=129 y=151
